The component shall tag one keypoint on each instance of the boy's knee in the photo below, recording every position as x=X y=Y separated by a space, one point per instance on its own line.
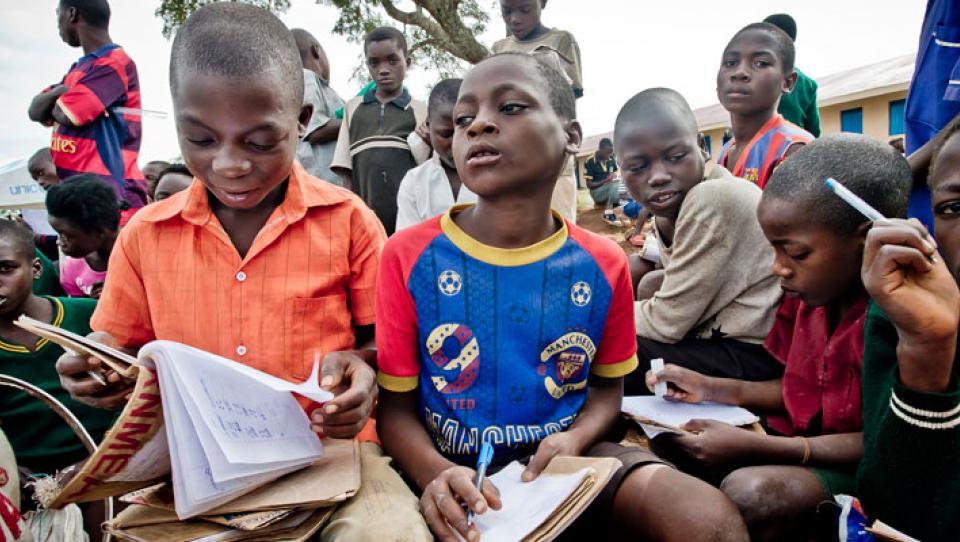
x=754 y=494
x=649 y=284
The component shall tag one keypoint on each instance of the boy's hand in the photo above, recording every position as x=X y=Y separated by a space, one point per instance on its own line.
x=74 y=377
x=919 y=296
x=682 y=384
x=441 y=503
x=564 y=443
x=424 y=132
x=716 y=443
x=354 y=386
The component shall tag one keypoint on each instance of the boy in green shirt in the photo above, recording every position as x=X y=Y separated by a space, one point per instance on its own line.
x=41 y=440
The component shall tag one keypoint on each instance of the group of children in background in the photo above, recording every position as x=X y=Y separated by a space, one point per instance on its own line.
x=494 y=317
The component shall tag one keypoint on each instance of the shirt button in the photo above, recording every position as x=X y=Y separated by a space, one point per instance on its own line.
x=241 y=276
x=241 y=350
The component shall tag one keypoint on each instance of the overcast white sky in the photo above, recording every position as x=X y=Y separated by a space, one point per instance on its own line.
x=627 y=46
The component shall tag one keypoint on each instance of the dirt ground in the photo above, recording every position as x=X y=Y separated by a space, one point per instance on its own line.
x=591 y=218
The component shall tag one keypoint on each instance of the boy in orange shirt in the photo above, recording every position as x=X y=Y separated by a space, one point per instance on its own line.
x=257 y=261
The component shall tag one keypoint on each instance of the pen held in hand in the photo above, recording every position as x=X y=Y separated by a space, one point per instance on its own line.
x=483 y=462
x=857 y=203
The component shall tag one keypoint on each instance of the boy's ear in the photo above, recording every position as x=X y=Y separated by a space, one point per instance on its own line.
x=574 y=136
x=306 y=113
x=37 y=268
x=789 y=82
x=861 y=234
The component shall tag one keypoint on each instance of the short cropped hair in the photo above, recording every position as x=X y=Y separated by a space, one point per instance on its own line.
x=658 y=100
x=869 y=168
x=559 y=91
x=941 y=140
x=605 y=143
x=237 y=40
x=384 y=33
x=444 y=92
x=784 y=22
x=20 y=237
x=42 y=155
x=95 y=13
x=87 y=201
x=784 y=45
x=182 y=169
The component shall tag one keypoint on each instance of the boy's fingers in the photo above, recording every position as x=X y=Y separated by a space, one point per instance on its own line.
x=331 y=373
x=69 y=364
x=491 y=494
x=892 y=257
x=465 y=488
x=540 y=460
x=439 y=527
x=452 y=512
x=900 y=234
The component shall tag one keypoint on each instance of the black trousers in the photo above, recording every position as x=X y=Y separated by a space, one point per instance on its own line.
x=725 y=358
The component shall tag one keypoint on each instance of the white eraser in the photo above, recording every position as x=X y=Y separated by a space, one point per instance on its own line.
x=660 y=388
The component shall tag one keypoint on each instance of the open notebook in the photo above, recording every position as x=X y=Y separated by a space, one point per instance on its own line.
x=220 y=428
x=540 y=510
x=657 y=415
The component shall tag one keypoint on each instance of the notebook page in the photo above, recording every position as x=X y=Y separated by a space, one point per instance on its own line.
x=526 y=505
x=250 y=422
x=677 y=414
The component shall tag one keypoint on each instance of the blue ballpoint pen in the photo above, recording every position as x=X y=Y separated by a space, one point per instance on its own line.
x=483 y=461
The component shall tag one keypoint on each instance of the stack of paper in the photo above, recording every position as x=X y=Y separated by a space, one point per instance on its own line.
x=540 y=510
x=656 y=415
x=220 y=429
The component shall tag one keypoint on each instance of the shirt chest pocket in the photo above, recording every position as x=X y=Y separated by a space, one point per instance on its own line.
x=315 y=325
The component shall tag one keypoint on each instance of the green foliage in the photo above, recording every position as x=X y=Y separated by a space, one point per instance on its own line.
x=174 y=12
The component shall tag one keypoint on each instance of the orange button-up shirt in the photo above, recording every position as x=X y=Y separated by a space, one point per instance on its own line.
x=308 y=278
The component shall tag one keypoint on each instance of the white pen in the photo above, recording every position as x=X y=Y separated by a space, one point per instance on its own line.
x=660 y=388
x=857 y=203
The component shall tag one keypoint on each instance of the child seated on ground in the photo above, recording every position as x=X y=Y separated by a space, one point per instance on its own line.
x=85 y=212
x=434 y=186
x=257 y=261
x=756 y=69
x=372 y=152
x=600 y=174
x=501 y=318
x=909 y=477
x=174 y=178
x=43 y=442
x=814 y=411
x=716 y=296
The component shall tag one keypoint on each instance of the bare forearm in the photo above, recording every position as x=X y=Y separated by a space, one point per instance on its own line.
x=326 y=133
x=839 y=450
x=600 y=410
x=766 y=395
x=41 y=108
x=926 y=367
x=405 y=439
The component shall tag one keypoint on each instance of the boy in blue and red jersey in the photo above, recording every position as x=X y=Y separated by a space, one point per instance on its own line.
x=756 y=69
x=501 y=322
x=90 y=134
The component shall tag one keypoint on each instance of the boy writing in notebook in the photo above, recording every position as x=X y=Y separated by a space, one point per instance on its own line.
x=755 y=70
x=813 y=412
x=257 y=261
x=372 y=153
x=502 y=323
x=706 y=314
x=434 y=186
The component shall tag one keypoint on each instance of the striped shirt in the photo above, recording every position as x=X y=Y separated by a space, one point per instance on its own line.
x=765 y=151
x=101 y=140
x=308 y=279
x=373 y=146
